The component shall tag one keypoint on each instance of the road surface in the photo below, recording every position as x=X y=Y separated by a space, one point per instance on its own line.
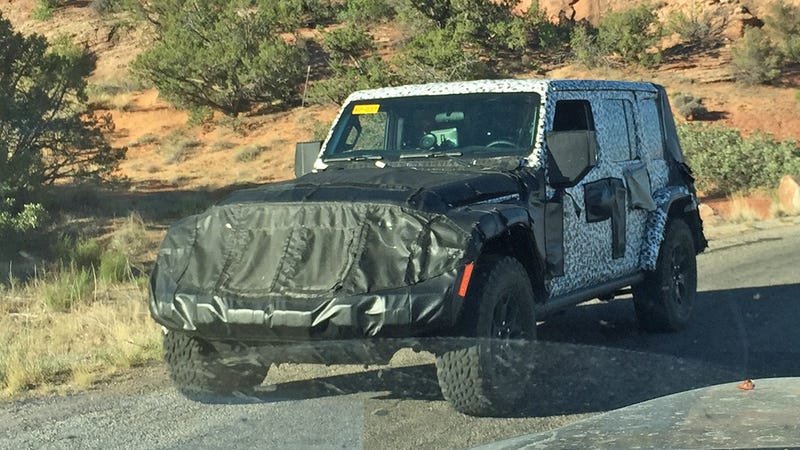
x=593 y=359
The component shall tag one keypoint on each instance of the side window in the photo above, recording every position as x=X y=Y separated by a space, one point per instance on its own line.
x=650 y=131
x=617 y=139
x=573 y=115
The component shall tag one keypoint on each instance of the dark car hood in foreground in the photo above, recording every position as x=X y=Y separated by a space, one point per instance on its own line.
x=434 y=191
x=721 y=416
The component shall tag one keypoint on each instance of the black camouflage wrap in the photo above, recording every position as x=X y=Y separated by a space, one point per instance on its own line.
x=367 y=251
x=325 y=255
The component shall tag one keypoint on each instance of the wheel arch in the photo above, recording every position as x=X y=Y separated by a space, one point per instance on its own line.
x=672 y=202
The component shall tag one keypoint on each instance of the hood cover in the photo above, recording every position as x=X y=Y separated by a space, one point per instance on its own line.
x=302 y=250
x=434 y=191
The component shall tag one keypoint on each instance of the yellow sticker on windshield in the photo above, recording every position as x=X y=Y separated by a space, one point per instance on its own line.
x=359 y=110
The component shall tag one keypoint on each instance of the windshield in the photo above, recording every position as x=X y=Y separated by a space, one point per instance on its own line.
x=475 y=125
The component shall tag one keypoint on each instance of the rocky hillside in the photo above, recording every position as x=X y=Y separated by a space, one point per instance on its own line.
x=260 y=148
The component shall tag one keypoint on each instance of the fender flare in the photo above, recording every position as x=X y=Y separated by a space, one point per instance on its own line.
x=656 y=223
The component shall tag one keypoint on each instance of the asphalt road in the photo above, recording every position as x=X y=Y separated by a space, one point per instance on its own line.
x=592 y=359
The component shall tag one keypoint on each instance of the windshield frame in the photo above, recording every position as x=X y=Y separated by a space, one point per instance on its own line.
x=530 y=118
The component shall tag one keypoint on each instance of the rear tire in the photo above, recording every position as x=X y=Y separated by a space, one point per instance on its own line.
x=665 y=299
x=490 y=376
x=197 y=368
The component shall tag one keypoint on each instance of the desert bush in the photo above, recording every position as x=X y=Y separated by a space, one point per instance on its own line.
x=366 y=11
x=76 y=251
x=219 y=146
x=46 y=132
x=130 y=238
x=583 y=41
x=249 y=153
x=755 y=60
x=146 y=139
x=347 y=44
x=698 y=28
x=352 y=64
x=542 y=33
x=177 y=145
x=200 y=115
x=630 y=34
x=44 y=9
x=224 y=55
x=725 y=162
x=435 y=56
x=783 y=26
x=689 y=106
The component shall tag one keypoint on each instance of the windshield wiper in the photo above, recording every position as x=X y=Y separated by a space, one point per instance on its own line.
x=430 y=155
x=353 y=158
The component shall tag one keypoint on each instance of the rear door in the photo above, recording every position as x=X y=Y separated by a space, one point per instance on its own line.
x=602 y=232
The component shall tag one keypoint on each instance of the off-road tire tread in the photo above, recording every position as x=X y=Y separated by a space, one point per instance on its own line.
x=462 y=372
x=195 y=369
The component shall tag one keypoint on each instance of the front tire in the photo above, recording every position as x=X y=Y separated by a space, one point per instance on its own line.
x=197 y=368
x=490 y=377
x=665 y=299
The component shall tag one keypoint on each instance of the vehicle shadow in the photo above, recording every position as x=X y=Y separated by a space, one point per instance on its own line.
x=594 y=358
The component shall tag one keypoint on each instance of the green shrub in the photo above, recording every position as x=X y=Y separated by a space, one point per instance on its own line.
x=689 y=106
x=200 y=115
x=78 y=252
x=366 y=11
x=725 y=162
x=631 y=34
x=436 y=56
x=755 y=59
x=542 y=33
x=41 y=107
x=12 y=222
x=369 y=73
x=348 y=43
x=228 y=56
x=783 y=26
x=352 y=64
x=44 y=9
x=698 y=28
x=583 y=41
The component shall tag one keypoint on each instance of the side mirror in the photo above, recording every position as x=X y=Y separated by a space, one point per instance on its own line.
x=572 y=154
x=305 y=155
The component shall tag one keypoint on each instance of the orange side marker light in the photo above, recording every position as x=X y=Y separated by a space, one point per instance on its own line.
x=465 y=277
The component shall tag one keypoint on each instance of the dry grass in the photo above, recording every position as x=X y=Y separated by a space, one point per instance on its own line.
x=46 y=350
x=740 y=211
x=249 y=153
x=177 y=146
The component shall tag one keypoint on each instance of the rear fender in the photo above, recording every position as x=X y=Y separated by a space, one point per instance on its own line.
x=671 y=202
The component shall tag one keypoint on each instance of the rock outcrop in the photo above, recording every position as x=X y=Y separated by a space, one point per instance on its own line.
x=789 y=194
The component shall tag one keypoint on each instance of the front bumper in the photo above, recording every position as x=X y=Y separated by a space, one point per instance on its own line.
x=425 y=308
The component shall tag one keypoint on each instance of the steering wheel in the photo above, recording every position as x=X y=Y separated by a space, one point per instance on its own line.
x=428 y=141
x=501 y=143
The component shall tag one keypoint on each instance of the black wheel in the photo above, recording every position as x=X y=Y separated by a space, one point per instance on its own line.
x=198 y=368
x=665 y=299
x=489 y=376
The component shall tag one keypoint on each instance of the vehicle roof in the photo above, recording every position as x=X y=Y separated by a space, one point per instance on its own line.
x=498 y=86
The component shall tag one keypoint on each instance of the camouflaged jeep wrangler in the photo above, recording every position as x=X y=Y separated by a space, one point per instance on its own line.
x=457 y=210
